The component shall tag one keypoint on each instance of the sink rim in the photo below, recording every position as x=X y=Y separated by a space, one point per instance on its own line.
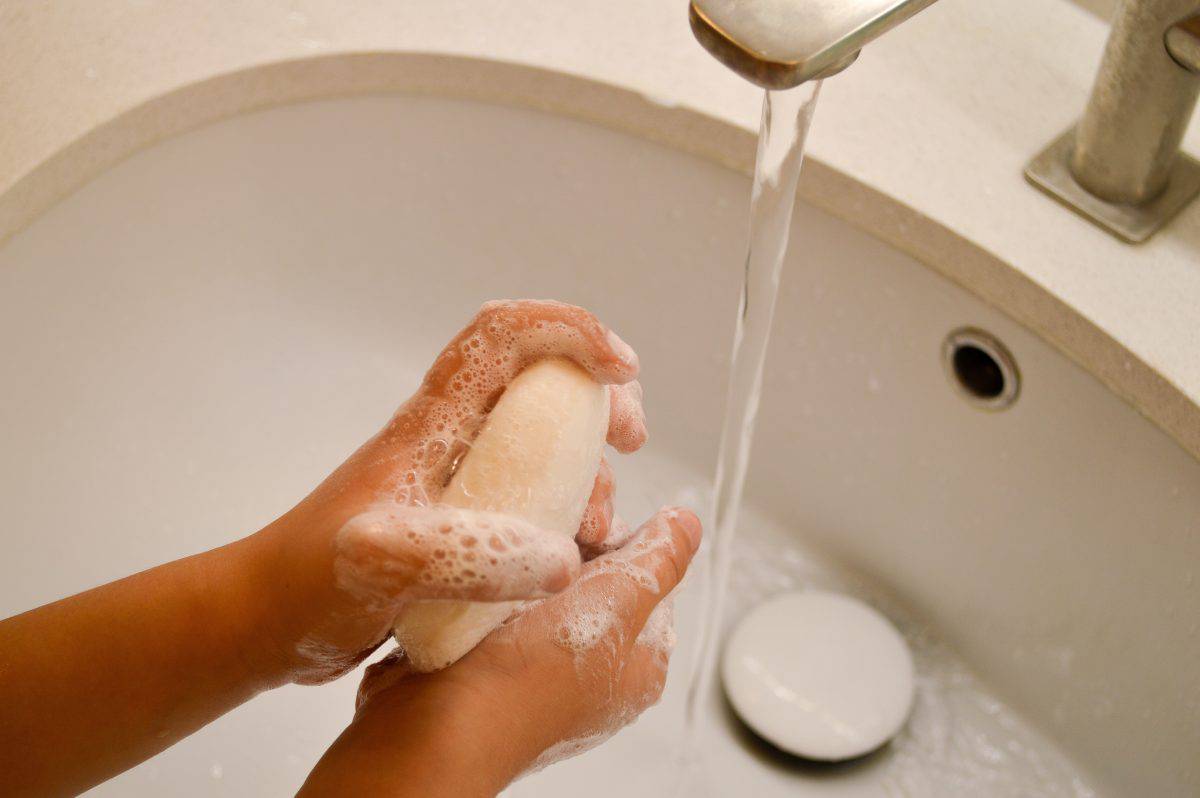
x=827 y=188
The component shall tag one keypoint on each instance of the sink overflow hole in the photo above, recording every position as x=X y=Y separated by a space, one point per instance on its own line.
x=981 y=368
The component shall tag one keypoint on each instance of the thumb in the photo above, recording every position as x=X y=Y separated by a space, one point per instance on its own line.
x=393 y=553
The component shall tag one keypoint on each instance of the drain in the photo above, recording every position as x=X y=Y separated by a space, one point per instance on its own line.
x=981 y=368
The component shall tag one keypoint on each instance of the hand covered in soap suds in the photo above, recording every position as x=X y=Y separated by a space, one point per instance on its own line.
x=100 y=681
x=560 y=678
x=373 y=536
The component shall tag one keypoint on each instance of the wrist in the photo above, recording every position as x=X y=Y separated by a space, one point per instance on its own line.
x=474 y=729
x=426 y=736
x=239 y=583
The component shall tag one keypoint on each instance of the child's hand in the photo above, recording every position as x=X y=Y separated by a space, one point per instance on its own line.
x=97 y=682
x=561 y=677
x=365 y=541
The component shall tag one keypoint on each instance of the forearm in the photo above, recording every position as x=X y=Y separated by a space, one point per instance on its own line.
x=98 y=682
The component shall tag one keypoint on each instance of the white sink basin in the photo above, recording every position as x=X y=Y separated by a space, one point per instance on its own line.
x=198 y=336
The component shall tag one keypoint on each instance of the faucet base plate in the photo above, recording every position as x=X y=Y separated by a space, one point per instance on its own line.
x=1050 y=172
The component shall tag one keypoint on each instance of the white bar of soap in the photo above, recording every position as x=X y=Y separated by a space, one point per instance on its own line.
x=535 y=458
x=820 y=675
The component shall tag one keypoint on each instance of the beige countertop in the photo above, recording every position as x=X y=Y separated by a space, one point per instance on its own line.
x=922 y=142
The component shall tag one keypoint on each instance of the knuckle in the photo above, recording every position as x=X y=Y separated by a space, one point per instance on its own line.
x=677 y=569
x=379 y=676
x=677 y=555
x=360 y=537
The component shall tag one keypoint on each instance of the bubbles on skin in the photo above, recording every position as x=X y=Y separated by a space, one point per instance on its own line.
x=325 y=661
x=615 y=678
x=596 y=526
x=619 y=533
x=460 y=389
x=407 y=465
x=598 y=601
x=593 y=526
x=627 y=428
x=621 y=714
x=588 y=623
x=592 y=627
x=658 y=634
x=392 y=553
x=595 y=612
x=567 y=749
x=470 y=374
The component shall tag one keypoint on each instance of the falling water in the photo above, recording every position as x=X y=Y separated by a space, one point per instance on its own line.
x=786 y=116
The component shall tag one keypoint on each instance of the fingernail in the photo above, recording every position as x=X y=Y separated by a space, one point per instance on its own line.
x=622 y=350
x=688 y=522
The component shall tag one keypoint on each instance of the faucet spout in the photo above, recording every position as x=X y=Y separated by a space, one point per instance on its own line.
x=779 y=44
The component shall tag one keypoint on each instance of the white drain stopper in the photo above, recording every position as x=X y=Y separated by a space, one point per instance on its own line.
x=820 y=675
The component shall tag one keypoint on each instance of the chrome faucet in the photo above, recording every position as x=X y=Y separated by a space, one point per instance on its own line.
x=779 y=44
x=1120 y=166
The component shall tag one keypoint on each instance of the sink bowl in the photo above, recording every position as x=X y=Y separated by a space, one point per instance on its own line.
x=196 y=337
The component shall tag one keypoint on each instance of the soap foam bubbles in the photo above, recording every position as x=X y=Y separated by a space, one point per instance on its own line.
x=469 y=375
x=618 y=677
x=658 y=634
x=402 y=544
x=598 y=608
x=393 y=553
x=567 y=749
x=429 y=435
x=627 y=430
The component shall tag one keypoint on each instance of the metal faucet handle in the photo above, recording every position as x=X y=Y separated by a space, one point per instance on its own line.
x=779 y=44
x=1121 y=166
x=1183 y=43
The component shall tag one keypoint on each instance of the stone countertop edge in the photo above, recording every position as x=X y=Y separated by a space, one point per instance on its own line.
x=922 y=143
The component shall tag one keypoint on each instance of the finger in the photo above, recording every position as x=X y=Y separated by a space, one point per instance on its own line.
x=430 y=431
x=393 y=553
x=542 y=328
x=633 y=579
x=598 y=515
x=506 y=336
x=627 y=420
